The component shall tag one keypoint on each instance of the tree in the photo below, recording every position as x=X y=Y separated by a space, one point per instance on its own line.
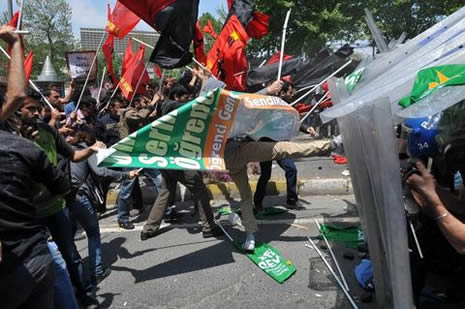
x=49 y=23
x=315 y=24
x=217 y=25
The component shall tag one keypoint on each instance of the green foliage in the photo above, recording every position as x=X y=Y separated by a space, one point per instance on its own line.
x=313 y=24
x=217 y=25
x=49 y=23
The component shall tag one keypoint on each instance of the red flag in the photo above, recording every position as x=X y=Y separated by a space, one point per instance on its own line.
x=230 y=3
x=28 y=66
x=258 y=26
x=133 y=74
x=226 y=59
x=14 y=20
x=121 y=21
x=128 y=58
x=275 y=58
x=199 y=50
x=107 y=49
x=208 y=28
x=157 y=70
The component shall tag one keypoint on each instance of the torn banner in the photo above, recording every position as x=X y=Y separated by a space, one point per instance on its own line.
x=194 y=136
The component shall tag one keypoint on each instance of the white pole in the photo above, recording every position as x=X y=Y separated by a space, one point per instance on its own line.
x=143 y=43
x=314 y=107
x=283 y=42
x=332 y=256
x=101 y=84
x=322 y=82
x=204 y=67
x=20 y=16
x=111 y=97
x=138 y=83
x=263 y=63
x=33 y=85
x=347 y=295
x=90 y=71
x=305 y=88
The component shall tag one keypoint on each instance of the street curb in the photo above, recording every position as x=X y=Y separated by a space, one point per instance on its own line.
x=228 y=190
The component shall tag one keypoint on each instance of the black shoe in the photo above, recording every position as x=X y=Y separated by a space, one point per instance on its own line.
x=106 y=272
x=295 y=206
x=147 y=235
x=126 y=225
x=214 y=232
x=89 y=302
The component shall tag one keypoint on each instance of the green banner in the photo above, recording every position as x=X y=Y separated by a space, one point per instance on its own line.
x=432 y=79
x=194 y=136
x=352 y=79
x=351 y=236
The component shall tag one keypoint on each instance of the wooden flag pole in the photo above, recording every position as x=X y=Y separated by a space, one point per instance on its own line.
x=90 y=71
x=283 y=43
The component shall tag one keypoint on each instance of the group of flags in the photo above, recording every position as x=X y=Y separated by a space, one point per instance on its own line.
x=176 y=21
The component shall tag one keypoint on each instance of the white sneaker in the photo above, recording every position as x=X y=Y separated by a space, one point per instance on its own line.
x=249 y=244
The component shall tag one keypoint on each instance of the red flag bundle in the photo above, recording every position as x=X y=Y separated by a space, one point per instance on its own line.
x=199 y=46
x=128 y=58
x=107 y=49
x=157 y=71
x=134 y=73
x=208 y=28
x=175 y=20
x=28 y=66
x=255 y=23
x=121 y=21
x=226 y=59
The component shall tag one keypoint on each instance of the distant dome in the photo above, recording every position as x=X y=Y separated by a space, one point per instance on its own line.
x=48 y=73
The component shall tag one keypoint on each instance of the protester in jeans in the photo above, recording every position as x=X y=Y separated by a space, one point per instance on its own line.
x=285 y=91
x=27 y=273
x=193 y=180
x=83 y=199
x=56 y=216
x=133 y=119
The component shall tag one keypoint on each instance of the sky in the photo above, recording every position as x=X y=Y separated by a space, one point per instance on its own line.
x=93 y=13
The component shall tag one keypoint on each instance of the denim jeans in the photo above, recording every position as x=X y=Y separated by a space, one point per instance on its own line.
x=64 y=294
x=84 y=212
x=60 y=227
x=290 y=170
x=125 y=200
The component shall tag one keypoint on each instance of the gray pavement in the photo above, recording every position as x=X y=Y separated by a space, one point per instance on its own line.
x=180 y=269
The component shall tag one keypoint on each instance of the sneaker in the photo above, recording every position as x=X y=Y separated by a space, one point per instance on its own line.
x=249 y=244
x=126 y=225
x=212 y=232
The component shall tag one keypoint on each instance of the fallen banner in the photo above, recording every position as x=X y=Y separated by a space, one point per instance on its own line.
x=194 y=136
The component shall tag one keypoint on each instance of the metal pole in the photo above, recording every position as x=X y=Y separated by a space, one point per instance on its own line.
x=313 y=108
x=283 y=43
x=138 y=84
x=322 y=82
x=101 y=84
x=18 y=27
x=10 y=8
x=333 y=257
x=347 y=295
x=34 y=86
x=90 y=71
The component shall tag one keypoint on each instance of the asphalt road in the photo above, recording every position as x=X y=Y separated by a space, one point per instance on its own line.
x=181 y=269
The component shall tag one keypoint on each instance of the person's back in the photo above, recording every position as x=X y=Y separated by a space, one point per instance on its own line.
x=25 y=255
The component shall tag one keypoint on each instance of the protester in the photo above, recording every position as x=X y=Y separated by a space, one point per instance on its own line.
x=132 y=119
x=193 y=181
x=107 y=126
x=84 y=196
x=27 y=272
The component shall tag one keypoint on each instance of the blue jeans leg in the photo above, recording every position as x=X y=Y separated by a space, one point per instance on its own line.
x=288 y=165
x=63 y=290
x=59 y=225
x=124 y=201
x=83 y=211
x=154 y=176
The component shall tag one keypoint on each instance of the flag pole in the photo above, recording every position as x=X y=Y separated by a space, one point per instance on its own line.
x=283 y=43
x=112 y=95
x=101 y=85
x=138 y=83
x=33 y=85
x=314 y=107
x=322 y=82
x=90 y=72
x=18 y=27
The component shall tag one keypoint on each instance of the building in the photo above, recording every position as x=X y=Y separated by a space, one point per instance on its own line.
x=90 y=39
